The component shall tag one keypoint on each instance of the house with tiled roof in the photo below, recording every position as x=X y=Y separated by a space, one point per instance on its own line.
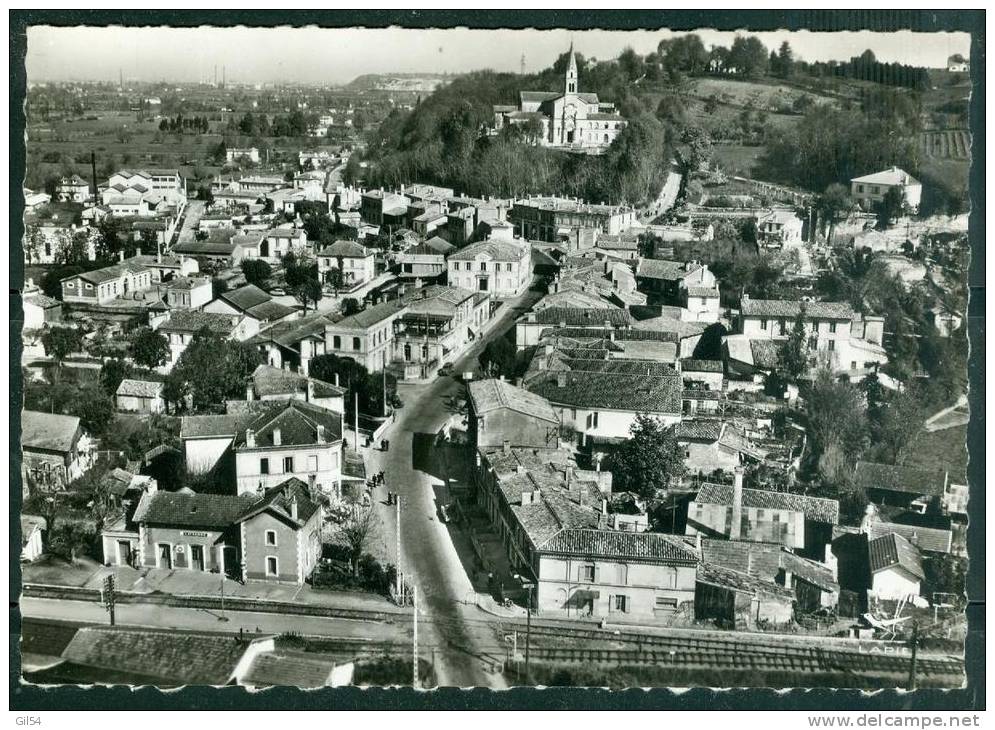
x=900 y=485
x=869 y=190
x=838 y=337
x=424 y=261
x=796 y=521
x=778 y=229
x=54 y=449
x=596 y=404
x=927 y=539
x=667 y=282
x=140 y=396
x=253 y=302
x=272 y=534
x=366 y=336
x=183 y=325
x=896 y=567
x=712 y=444
x=269 y=383
x=740 y=600
x=601 y=321
x=101 y=286
x=356 y=262
x=552 y=519
x=259 y=444
x=499 y=267
x=292 y=342
x=499 y=411
x=72 y=189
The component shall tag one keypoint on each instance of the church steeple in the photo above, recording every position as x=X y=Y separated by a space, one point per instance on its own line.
x=571 y=77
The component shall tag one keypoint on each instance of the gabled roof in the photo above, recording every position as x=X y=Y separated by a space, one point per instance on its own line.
x=666 y=270
x=893 y=550
x=900 y=478
x=140 y=388
x=290 y=333
x=190 y=321
x=929 y=539
x=624 y=545
x=191 y=509
x=496 y=250
x=289 y=670
x=49 y=431
x=740 y=582
x=792 y=308
x=279 y=499
x=696 y=365
x=493 y=394
x=245 y=296
x=816 y=509
x=268 y=381
x=639 y=393
x=581 y=316
x=346 y=249
x=370 y=316
x=297 y=421
x=892 y=176
x=538 y=96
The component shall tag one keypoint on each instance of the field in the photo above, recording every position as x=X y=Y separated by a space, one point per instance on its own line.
x=736 y=159
x=947 y=144
x=944 y=449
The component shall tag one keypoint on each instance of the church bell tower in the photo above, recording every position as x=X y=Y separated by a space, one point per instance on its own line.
x=571 y=78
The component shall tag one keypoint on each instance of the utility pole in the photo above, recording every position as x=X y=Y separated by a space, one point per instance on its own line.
x=109 y=596
x=915 y=651
x=355 y=446
x=397 y=526
x=383 y=370
x=414 y=663
x=528 y=631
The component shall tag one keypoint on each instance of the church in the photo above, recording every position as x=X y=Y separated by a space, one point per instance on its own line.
x=570 y=120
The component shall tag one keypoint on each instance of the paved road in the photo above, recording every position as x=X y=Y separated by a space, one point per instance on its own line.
x=191 y=217
x=466 y=636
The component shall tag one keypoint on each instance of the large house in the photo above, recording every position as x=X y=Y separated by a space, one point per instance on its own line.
x=367 y=336
x=72 y=189
x=251 y=301
x=836 y=335
x=670 y=280
x=569 y=119
x=869 y=190
x=54 y=449
x=274 y=535
x=796 y=521
x=551 y=219
x=713 y=444
x=425 y=261
x=551 y=520
x=293 y=342
x=101 y=286
x=778 y=229
x=265 y=443
x=437 y=325
x=500 y=268
x=183 y=325
x=499 y=411
x=356 y=262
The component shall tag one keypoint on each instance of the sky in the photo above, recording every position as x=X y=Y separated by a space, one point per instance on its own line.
x=336 y=56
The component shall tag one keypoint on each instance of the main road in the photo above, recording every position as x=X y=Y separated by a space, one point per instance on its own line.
x=463 y=634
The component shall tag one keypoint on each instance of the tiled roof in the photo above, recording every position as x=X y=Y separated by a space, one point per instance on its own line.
x=929 y=539
x=48 y=431
x=493 y=394
x=440 y=245
x=169 y=658
x=646 y=328
x=616 y=544
x=766 y=353
x=191 y=509
x=370 y=316
x=892 y=176
x=816 y=509
x=667 y=270
x=776 y=308
x=140 y=388
x=290 y=333
x=812 y=571
x=212 y=426
x=703 y=291
x=538 y=96
x=270 y=311
x=690 y=364
x=736 y=581
x=245 y=296
x=306 y=671
x=268 y=380
x=602 y=117
x=205 y=248
x=192 y=321
x=496 y=250
x=346 y=249
x=40 y=300
x=582 y=317
x=758 y=559
x=698 y=429
x=899 y=478
x=640 y=393
x=297 y=421
x=892 y=549
x=279 y=499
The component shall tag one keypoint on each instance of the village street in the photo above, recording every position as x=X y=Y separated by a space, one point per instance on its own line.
x=430 y=559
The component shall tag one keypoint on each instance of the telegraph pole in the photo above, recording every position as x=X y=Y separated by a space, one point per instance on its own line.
x=414 y=664
x=355 y=446
x=109 y=596
x=528 y=631
x=397 y=571
x=915 y=650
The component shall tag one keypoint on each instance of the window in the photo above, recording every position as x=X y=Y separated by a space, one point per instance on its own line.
x=355 y=343
x=860 y=188
x=780 y=324
x=665 y=602
x=288 y=464
x=832 y=345
x=620 y=603
x=337 y=342
x=264 y=466
x=483 y=266
x=467 y=266
x=271 y=537
x=587 y=573
x=272 y=565
x=669 y=578
x=763 y=324
x=312 y=463
x=407 y=353
x=832 y=327
x=622 y=574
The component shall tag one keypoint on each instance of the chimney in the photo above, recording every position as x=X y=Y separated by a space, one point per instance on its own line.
x=788 y=579
x=697 y=543
x=506 y=446
x=568 y=476
x=309 y=391
x=277 y=437
x=604 y=507
x=293 y=507
x=520 y=469
x=250 y=438
x=736 y=529
x=336 y=380
x=248 y=391
x=321 y=433
x=120 y=255
x=93 y=172
x=561 y=380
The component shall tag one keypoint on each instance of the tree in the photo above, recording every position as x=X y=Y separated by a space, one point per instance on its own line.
x=334 y=369
x=748 y=56
x=837 y=422
x=60 y=342
x=149 y=348
x=111 y=234
x=945 y=574
x=211 y=370
x=498 y=358
x=891 y=206
x=301 y=275
x=34 y=242
x=834 y=205
x=350 y=306
x=112 y=372
x=257 y=272
x=782 y=63
x=356 y=525
x=649 y=460
x=792 y=358
x=684 y=54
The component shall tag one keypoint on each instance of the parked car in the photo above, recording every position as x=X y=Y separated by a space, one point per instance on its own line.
x=277 y=292
x=446 y=370
x=396 y=401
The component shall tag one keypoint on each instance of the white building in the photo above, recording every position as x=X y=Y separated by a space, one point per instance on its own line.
x=896 y=567
x=501 y=268
x=777 y=229
x=233 y=154
x=869 y=190
x=357 y=263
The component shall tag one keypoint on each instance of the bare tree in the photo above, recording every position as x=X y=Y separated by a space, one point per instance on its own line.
x=356 y=525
